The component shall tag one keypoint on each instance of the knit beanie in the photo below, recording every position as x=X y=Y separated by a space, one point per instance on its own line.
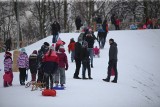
x=52 y=47
x=34 y=52
x=23 y=50
x=8 y=54
x=46 y=43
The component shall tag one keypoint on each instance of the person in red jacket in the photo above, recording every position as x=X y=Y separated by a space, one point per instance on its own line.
x=50 y=66
x=62 y=66
x=71 y=48
x=117 y=23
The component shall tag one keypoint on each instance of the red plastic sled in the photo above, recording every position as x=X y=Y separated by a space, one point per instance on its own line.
x=49 y=92
x=8 y=77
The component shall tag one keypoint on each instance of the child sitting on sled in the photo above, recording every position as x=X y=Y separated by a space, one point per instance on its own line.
x=8 y=75
x=96 y=51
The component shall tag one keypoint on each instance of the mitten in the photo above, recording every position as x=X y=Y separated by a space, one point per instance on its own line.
x=66 y=67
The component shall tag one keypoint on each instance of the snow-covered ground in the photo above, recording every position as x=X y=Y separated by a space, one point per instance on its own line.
x=138 y=82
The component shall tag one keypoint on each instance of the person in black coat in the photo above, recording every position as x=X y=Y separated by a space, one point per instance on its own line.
x=78 y=23
x=90 y=40
x=55 y=27
x=44 y=49
x=8 y=44
x=78 y=47
x=113 y=20
x=33 y=65
x=113 y=51
x=85 y=61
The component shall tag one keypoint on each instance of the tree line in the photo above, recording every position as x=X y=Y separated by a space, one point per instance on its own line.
x=31 y=20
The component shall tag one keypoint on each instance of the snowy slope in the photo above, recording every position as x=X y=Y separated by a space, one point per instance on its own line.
x=138 y=83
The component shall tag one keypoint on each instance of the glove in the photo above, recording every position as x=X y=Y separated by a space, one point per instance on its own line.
x=66 y=67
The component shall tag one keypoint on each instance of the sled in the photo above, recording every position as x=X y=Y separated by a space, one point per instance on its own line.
x=58 y=87
x=7 y=77
x=48 y=92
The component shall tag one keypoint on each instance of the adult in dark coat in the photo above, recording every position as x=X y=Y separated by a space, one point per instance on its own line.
x=78 y=47
x=113 y=51
x=90 y=39
x=8 y=44
x=113 y=20
x=85 y=61
x=55 y=27
x=78 y=23
x=44 y=49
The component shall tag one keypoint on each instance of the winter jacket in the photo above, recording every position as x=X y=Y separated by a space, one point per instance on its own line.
x=71 y=46
x=23 y=61
x=78 y=48
x=40 y=55
x=33 y=63
x=84 y=55
x=63 y=61
x=78 y=21
x=113 y=51
x=7 y=64
x=113 y=21
x=90 y=40
x=117 y=22
x=50 y=63
x=96 y=51
x=55 y=28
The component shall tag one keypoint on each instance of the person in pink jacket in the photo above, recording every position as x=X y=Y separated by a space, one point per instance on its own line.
x=23 y=65
x=62 y=66
x=8 y=76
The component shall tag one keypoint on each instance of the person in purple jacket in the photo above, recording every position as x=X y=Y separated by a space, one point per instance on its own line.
x=62 y=66
x=23 y=65
x=8 y=69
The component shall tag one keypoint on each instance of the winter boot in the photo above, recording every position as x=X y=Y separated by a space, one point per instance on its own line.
x=106 y=80
x=114 y=81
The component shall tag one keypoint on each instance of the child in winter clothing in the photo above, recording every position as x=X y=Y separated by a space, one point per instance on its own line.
x=71 y=48
x=50 y=66
x=8 y=69
x=23 y=65
x=63 y=65
x=96 y=51
x=58 y=44
x=85 y=61
x=33 y=65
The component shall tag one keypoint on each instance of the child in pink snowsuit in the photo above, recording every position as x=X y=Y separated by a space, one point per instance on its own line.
x=8 y=76
x=96 y=51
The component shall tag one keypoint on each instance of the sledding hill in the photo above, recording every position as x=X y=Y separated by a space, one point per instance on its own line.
x=138 y=82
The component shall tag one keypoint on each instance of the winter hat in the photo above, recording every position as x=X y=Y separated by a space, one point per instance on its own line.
x=61 y=48
x=46 y=43
x=52 y=47
x=34 y=52
x=23 y=50
x=111 y=40
x=85 y=44
x=8 y=54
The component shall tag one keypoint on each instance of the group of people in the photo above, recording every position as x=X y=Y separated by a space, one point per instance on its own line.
x=83 y=51
x=50 y=62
